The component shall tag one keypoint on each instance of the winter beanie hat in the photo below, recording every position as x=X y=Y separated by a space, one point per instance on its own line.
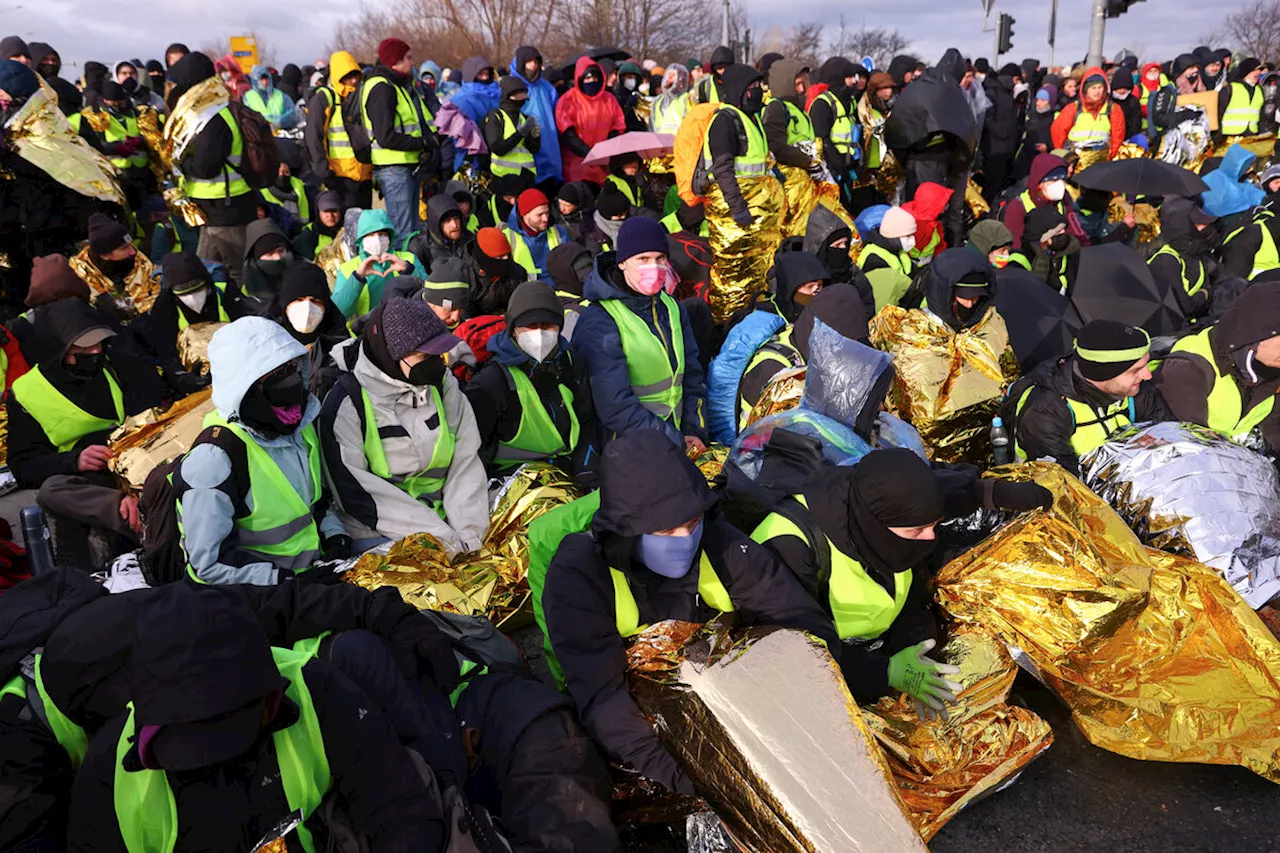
x=529 y=200
x=493 y=242
x=1106 y=348
x=511 y=84
x=391 y=51
x=52 y=280
x=534 y=302
x=640 y=234
x=897 y=223
x=409 y=325
x=612 y=202
x=106 y=235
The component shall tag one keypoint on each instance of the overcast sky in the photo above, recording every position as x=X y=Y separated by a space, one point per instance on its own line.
x=301 y=29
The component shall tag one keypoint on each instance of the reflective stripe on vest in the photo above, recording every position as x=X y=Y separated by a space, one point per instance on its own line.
x=538 y=437
x=64 y=423
x=755 y=162
x=147 y=812
x=799 y=125
x=230 y=183
x=1243 y=110
x=427 y=483
x=1225 y=404
x=1267 y=257
x=900 y=262
x=1091 y=132
x=406 y=122
x=300 y=191
x=1191 y=289
x=1090 y=427
x=516 y=160
x=70 y=736
x=625 y=189
x=779 y=350
x=272 y=109
x=522 y=254
x=118 y=131
x=841 y=124
x=219 y=290
x=659 y=388
x=861 y=607
x=627 y=612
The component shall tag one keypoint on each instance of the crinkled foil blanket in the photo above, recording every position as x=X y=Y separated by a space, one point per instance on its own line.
x=743 y=255
x=39 y=133
x=193 y=346
x=492 y=582
x=157 y=436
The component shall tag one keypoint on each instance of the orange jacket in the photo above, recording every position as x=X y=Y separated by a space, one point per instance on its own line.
x=1062 y=124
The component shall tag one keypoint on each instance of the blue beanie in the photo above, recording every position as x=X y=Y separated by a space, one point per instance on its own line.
x=18 y=80
x=640 y=234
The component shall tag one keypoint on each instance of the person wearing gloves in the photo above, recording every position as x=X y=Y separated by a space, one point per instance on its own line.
x=1046 y=187
x=401 y=446
x=532 y=400
x=252 y=507
x=308 y=314
x=531 y=233
x=361 y=279
x=1163 y=112
x=585 y=115
x=526 y=66
x=328 y=143
x=874 y=524
x=1226 y=377
x=1069 y=406
x=511 y=136
x=835 y=122
x=1186 y=257
x=885 y=257
x=637 y=342
x=656 y=549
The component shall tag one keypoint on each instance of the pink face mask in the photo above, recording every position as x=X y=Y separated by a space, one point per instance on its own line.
x=650 y=279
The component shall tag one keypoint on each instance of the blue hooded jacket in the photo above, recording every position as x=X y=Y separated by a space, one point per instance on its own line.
x=289 y=116
x=540 y=246
x=1227 y=194
x=597 y=341
x=542 y=106
x=475 y=100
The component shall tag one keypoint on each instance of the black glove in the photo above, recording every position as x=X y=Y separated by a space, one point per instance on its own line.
x=1021 y=497
x=322 y=571
x=744 y=218
x=423 y=652
x=337 y=547
x=189 y=383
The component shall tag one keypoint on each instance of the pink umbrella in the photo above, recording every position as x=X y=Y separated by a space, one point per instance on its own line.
x=636 y=142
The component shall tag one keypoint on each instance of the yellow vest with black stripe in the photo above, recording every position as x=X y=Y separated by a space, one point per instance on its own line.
x=147 y=812
x=659 y=388
x=219 y=291
x=428 y=484
x=900 y=262
x=537 y=438
x=523 y=255
x=119 y=131
x=230 y=183
x=755 y=162
x=1243 y=111
x=64 y=423
x=300 y=190
x=799 y=125
x=626 y=189
x=779 y=350
x=406 y=122
x=518 y=159
x=1191 y=288
x=1225 y=404
x=841 y=125
x=627 y=612
x=1089 y=132
x=672 y=223
x=1090 y=426
x=861 y=607
x=1267 y=257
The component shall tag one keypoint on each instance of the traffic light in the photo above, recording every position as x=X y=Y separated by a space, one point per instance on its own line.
x=1004 y=32
x=1116 y=8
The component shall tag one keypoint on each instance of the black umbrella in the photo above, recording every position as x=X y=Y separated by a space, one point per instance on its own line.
x=596 y=53
x=1142 y=177
x=1042 y=323
x=1113 y=283
x=931 y=104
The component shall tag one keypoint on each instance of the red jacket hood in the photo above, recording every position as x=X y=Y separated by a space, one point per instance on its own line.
x=1095 y=71
x=1147 y=84
x=931 y=199
x=584 y=63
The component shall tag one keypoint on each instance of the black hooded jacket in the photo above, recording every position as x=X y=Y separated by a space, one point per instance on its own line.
x=727 y=137
x=776 y=118
x=1194 y=255
x=824 y=228
x=431 y=246
x=941 y=280
x=307 y=281
x=953 y=65
x=647 y=484
x=159 y=326
x=833 y=72
x=380 y=106
x=32 y=456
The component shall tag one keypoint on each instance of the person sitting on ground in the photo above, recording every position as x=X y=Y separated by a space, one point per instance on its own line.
x=400 y=440
x=1054 y=253
x=574 y=209
x=361 y=279
x=885 y=257
x=120 y=276
x=495 y=274
x=612 y=209
x=52 y=280
x=627 y=175
x=267 y=255
x=308 y=314
x=319 y=233
x=445 y=237
x=531 y=234
x=569 y=265
x=992 y=239
x=1185 y=259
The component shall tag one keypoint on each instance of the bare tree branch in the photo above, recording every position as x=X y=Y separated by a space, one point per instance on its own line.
x=1254 y=29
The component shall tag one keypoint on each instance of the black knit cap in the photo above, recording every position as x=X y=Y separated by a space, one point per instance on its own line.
x=1107 y=348
x=534 y=302
x=106 y=235
x=612 y=202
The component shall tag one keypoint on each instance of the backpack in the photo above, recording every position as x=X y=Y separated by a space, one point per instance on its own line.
x=687 y=153
x=353 y=121
x=260 y=163
x=477 y=331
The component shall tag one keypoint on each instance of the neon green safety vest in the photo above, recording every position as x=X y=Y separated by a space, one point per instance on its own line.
x=672 y=223
x=407 y=121
x=659 y=388
x=667 y=119
x=280 y=523
x=119 y=131
x=515 y=161
x=300 y=190
x=219 y=290
x=230 y=184
x=271 y=109
x=754 y=163
x=1189 y=287
x=538 y=437
x=1089 y=132
x=780 y=351
x=1091 y=427
x=1225 y=404
x=875 y=156
x=427 y=484
x=930 y=248
x=627 y=612
x=799 y=125
x=1267 y=256
x=625 y=189
x=69 y=735
x=363 y=301
x=841 y=125
x=900 y=262
x=64 y=423
x=1243 y=111
x=861 y=607
x=145 y=806
x=523 y=255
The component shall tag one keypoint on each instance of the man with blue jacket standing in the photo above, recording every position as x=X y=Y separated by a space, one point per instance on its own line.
x=541 y=105
x=637 y=342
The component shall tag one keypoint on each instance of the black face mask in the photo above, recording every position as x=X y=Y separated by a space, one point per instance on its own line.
x=284 y=182
x=1060 y=242
x=86 y=364
x=49 y=70
x=275 y=403
x=753 y=100
x=429 y=371
x=591 y=88
x=963 y=312
x=274 y=269
x=115 y=268
x=837 y=261
x=129 y=85
x=157 y=82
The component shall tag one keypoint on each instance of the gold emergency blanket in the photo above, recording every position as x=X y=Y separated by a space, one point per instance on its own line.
x=1092 y=157
x=492 y=582
x=1156 y=655
x=1261 y=145
x=940 y=767
x=1146 y=217
x=978 y=206
x=141 y=285
x=763 y=724
x=781 y=393
x=803 y=194
x=4 y=435
x=156 y=436
x=1131 y=151
x=332 y=257
x=948 y=385
x=887 y=177
x=193 y=111
x=743 y=256
x=184 y=207
x=150 y=128
x=193 y=346
x=39 y=133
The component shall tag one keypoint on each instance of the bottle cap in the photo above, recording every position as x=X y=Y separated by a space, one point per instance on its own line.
x=997 y=422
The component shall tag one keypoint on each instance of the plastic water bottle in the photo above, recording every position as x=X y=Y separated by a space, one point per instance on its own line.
x=1000 y=442
x=35 y=532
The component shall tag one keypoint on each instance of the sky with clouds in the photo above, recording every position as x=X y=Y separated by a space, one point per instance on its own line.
x=300 y=30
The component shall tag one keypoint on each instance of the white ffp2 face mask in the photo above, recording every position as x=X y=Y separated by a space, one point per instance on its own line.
x=908 y=243
x=1053 y=190
x=194 y=301
x=539 y=344
x=304 y=315
x=375 y=245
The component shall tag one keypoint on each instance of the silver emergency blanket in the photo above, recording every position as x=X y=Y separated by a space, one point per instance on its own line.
x=1187 y=490
x=1186 y=143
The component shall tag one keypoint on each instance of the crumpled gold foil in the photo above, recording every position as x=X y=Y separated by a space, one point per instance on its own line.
x=803 y=194
x=710 y=461
x=157 y=436
x=39 y=133
x=781 y=393
x=184 y=207
x=332 y=257
x=1145 y=216
x=763 y=723
x=887 y=178
x=151 y=131
x=948 y=385
x=4 y=435
x=940 y=767
x=1092 y=156
x=493 y=582
x=1131 y=151
x=141 y=285
x=193 y=346
x=1156 y=655
x=743 y=256
x=193 y=111
x=978 y=206
x=1261 y=145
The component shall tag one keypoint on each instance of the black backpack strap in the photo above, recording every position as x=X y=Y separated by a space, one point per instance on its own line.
x=795 y=512
x=231 y=444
